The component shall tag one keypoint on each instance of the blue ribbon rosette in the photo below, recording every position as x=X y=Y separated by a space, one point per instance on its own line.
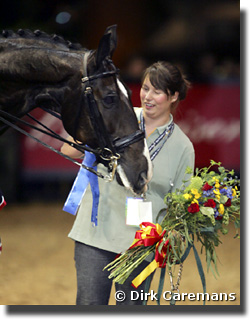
x=83 y=178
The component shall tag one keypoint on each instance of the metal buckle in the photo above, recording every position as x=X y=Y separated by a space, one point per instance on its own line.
x=112 y=165
x=109 y=156
x=113 y=162
x=88 y=90
x=85 y=79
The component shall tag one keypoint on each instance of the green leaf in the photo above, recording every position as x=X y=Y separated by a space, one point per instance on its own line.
x=160 y=246
x=195 y=183
x=207 y=229
x=206 y=211
x=208 y=258
x=215 y=262
x=223 y=199
x=212 y=270
x=224 y=231
x=237 y=224
x=189 y=170
x=221 y=169
x=212 y=173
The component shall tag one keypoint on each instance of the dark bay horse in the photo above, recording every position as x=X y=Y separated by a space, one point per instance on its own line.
x=40 y=70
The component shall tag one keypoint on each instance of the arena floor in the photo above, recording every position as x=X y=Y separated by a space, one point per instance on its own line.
x=37 y=265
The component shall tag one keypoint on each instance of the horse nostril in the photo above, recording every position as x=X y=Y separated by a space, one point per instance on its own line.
x=142 y=179
x=141 y=183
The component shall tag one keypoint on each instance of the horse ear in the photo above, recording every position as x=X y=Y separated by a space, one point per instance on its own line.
x=107 y=45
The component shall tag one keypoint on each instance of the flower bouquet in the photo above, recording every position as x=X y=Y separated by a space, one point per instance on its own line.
x=201 y=209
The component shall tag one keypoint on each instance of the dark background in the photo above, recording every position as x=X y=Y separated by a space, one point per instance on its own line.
x=201 y=37
x=185 y=32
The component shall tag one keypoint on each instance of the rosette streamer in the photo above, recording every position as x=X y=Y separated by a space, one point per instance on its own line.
x=84 y=177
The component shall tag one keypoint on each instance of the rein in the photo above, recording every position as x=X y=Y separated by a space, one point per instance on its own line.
x=53 y=135
x=109 y=151
x=49 y=132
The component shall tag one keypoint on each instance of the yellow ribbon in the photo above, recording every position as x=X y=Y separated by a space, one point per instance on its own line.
x=145 y=273
x=147 y=236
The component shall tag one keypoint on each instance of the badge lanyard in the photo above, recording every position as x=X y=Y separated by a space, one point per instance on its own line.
x=137 y=209
x=164 y=136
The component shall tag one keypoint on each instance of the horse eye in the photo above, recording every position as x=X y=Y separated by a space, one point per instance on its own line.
x=110 y=100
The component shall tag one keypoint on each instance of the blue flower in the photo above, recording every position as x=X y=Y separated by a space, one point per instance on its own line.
x=227 y=192
x=208 y=193
x=216 y=212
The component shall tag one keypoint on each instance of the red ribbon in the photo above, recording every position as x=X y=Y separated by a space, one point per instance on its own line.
x=148 y=235
x=161 y=257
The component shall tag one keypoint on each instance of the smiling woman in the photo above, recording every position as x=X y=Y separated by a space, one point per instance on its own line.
x=162 y=89
x=156 y=103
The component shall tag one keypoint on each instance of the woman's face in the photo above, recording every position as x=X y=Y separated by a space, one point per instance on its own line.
x=156 y=103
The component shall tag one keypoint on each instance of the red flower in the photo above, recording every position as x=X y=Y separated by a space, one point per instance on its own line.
x=210 y=203
x=206 y=187
x=219 y=218
x=193 y=208
x=228 y=203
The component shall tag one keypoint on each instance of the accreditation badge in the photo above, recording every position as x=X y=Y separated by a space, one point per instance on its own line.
x=138 y=211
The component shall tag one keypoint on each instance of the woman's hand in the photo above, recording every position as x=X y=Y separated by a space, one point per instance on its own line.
x=71 y=151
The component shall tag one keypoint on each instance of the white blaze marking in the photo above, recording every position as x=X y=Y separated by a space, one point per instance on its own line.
x=150 y=165
x=124 y=178
x=120 y=170
x=122 y=88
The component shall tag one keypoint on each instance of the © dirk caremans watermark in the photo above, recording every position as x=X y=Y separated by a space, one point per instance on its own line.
x=120 y=296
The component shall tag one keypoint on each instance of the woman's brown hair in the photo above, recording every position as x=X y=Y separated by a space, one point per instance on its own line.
x=168 y=78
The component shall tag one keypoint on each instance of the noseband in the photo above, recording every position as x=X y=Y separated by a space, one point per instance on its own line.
x=109 y=150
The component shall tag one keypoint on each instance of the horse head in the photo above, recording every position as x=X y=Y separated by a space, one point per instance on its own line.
x=37 y=70
x=111 y=98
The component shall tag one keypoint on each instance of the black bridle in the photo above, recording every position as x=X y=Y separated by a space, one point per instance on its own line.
x=109 y=150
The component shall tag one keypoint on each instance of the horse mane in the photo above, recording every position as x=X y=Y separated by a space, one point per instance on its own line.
x=38 y=69
x=41 y=38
